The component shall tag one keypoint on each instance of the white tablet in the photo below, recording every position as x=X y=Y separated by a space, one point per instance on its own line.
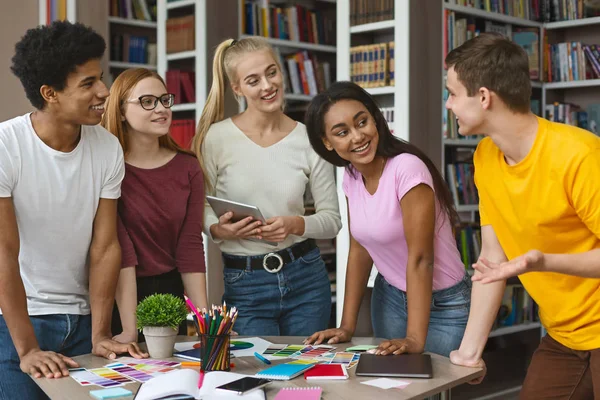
x=240 y=211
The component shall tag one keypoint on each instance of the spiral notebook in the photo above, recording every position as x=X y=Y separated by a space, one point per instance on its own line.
x=305 y=393
x=285 y=372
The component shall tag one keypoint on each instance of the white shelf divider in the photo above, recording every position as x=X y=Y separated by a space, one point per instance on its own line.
x=506 y=330
x=467 y=208
x=461 y=142
x=298 y=97
x=373 y=27
x=381 y=90
x=492 y=16
x=292 y=44
x=126 y=65
x=180 y=3
x=132 y=22
x=181 y=55
x=572 y=84
x=184 y=107
x=572 y=23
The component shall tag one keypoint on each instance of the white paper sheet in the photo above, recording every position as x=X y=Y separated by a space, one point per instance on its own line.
x=387 y=383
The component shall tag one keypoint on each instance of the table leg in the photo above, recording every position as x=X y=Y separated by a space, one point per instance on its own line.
x=445 y=395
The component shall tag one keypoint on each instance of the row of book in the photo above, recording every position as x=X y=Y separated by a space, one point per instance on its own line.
x=133 y=49
x=571 y=61
x=181 y=84
x=460 y=29
x=388 y=114
x=296 y=23
x=536 y=10
x=517 y=307
x=144 y=10
x=372 y=65
x=304 y=73
x=571 y=114
x=182 y=131
x=56 y=10
x=468 y=241
x=181 y=34
x=460 y=179
x=367 y=11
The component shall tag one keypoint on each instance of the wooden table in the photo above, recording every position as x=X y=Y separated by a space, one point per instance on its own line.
x=445 y=377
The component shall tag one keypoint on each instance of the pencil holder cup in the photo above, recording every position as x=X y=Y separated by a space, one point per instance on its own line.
x=214 y=352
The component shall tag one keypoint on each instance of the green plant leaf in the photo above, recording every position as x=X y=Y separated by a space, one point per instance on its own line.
x=161 y=310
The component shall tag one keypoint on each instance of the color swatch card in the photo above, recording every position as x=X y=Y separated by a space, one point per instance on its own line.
x=305 y=393
x=146 y=361
x=272 y=350
x=86 y=378
x=289 y=350
x=111 y=374
x=346 y=358
x=132 y=373
x=316 y=354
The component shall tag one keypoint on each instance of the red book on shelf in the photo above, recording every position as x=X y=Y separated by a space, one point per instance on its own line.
x=326 y=371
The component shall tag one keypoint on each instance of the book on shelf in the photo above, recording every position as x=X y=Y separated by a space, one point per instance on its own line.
x=143 y=10
x=181 y=84
x=367 y=11
x=388 y=114
x=570 y=114
x=536 y=10
x=182 y=131
x=294 y=22
x=593 y=117
x=468 y=241
x=372 y=65
x=304 y=73
x=517 y=307
x=181 y=34
x=571 y=61
x=132 y=49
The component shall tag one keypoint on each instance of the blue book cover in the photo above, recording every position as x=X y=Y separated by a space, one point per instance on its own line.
x=284 y=372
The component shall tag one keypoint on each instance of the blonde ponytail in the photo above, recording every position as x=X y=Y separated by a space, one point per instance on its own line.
x=224 y=63
x=214 y=108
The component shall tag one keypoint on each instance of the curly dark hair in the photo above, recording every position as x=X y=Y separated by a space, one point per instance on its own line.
x=389 y=145
x=46 y=55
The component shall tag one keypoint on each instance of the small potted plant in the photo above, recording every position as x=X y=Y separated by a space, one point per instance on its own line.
x=159 y=317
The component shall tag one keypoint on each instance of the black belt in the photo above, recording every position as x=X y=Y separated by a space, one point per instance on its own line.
x=271 y=262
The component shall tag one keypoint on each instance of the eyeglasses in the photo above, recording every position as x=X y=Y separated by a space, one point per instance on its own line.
x=149 y=102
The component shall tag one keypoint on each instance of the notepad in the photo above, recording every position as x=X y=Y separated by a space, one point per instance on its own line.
x=326 y=371
x=285 y=372
x=290 y=393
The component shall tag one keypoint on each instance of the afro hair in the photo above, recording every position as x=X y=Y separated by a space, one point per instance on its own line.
x=46 y=55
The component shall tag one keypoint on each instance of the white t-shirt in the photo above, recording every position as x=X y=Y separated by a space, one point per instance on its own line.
x=55 y=196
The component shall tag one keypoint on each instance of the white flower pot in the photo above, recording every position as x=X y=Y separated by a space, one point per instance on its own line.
x=160 y=340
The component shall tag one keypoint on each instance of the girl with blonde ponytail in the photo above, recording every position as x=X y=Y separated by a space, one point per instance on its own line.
x=273 y=271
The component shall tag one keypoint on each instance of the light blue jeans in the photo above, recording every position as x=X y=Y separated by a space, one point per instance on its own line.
x=296 y=301
x=67 y=334
x=447 y=322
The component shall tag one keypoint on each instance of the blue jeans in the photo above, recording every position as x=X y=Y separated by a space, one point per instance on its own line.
x=67 y=334
x=447 y=322
x=296 y=301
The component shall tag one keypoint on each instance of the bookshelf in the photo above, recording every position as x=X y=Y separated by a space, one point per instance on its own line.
x=131 y=40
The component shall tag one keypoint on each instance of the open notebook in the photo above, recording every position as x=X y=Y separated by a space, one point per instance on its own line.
x=185 y=382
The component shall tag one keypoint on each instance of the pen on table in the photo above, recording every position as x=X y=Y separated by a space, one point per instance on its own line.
x=261 y=358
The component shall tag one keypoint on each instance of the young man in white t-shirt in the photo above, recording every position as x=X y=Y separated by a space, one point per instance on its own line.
x=60 y=178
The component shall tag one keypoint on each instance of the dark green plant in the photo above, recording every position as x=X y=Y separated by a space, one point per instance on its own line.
x=161 y=310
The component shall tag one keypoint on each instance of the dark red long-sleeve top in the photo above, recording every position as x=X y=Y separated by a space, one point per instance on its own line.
x=160 y=217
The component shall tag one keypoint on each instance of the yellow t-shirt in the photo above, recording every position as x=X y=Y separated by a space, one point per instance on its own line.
x=550 y=201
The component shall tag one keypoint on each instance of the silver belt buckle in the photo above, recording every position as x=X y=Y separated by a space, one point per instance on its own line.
x=274 y=270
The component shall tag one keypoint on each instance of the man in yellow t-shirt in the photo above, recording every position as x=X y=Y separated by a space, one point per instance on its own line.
x=539 y=191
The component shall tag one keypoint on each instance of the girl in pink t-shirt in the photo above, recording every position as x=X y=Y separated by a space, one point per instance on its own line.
x=401 y=215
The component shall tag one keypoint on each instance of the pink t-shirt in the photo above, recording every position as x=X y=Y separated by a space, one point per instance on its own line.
x=376 y=223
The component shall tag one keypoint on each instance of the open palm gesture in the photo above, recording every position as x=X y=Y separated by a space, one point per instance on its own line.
x=490 y=271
